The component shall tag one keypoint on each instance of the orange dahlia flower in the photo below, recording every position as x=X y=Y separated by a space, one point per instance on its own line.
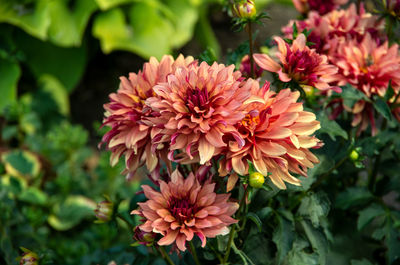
x=183 y=208
x=277 y=135
x=129 y=135
x=300 y=63
x=198 y=106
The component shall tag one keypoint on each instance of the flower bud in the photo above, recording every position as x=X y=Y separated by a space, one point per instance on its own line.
x=354 y=155
x=28 y=257
x=245 y=9
x=245 y=68
x=143 y=238
x=104 y=211
x=256 y=180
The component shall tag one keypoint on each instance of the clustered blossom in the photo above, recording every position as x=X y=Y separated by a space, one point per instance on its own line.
x=277 y=135
x=300 y=63
x=321 y=6
x=127 y=111
x=198 y=106
x=183 y=209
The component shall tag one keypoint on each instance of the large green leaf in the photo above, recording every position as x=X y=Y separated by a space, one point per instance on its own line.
x=34 y=196
x=107 y=4
x=35 y=19
x=10 y=73
x=71 y=212
x=66 y=64
x=317 y=240
x=21 y=163
x=150 y=27
x=315 y=207
x=330 y=127
x=283 y=237
x=68 y=23
x=354 y=196
x=298 y=256
x=368 y=214
x=52 y=85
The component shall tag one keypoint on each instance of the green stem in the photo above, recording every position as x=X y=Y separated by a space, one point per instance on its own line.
x=120 y=216
x=233 y=229
x=320 y=179
x=165 y=256
x=250 y=31
x=216 y=252
x=194 y=253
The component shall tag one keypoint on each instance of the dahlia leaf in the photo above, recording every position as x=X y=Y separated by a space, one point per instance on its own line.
x=254 y=217
x=330 y=127
x=21 y=163
x=315 y=207
x=368 y=214
x=300 y=257
x=390 y=92
x=351 y=95
x=317 y=240
x=10 y=73
x=353 y=196
x=382 y=107
x=283 y=237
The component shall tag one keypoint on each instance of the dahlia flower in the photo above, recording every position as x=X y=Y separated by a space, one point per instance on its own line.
x=368 y=67
x=277 y=135
x=198 y=106
x=184 y=208
x=338 y=26
x=129 y=135
x=322 y=7
x=300 y=63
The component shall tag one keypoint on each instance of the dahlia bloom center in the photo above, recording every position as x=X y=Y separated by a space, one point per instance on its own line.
x=181 y=209
x=197 y=101
x=250 y=121
x=301 y=65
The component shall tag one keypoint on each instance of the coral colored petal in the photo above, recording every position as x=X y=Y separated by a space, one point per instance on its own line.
x=266 y=63
x=169 y=238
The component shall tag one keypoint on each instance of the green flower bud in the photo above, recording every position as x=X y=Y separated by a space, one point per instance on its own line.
x=28 y=257
x=104 y=211
x=256 y=180
x=245 y=9
x=354 y=155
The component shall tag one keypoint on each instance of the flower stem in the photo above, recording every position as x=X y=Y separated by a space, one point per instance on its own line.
x=233 y=229
x=250 y=31
x=194 y=253
x=120 y=216
x=165 y=256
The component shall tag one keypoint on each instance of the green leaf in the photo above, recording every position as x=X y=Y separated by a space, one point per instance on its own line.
x=10 y=73
x=68 y=23
x=51 y=85
x=382 y=108
x=66 y=64
x=330 y=127
x=34 y=20
x=392 y=241
x=360 y=262
x=354 y=196
x=208 y=56
x=317 y=240
x=368 y=214
x=297 y=256
x=315 y=207
x=107 y=4
x=21 y=163
x=71 y=212
x=34 y=196
x=254 y=217
x=283 y=237
x=351 y=95
x=246 y=260
x=326 y=162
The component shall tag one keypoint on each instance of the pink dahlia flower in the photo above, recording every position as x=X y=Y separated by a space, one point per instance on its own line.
x=184 y=208
x=368 y=67
x=300 y=63
x=277 y=135
x=338 y=26
x=198 y=106
x=322 y=7
x=129 y=135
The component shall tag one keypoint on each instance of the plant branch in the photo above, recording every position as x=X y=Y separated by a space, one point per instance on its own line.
x=165 y=256
x=194 y=253
x=250 y=32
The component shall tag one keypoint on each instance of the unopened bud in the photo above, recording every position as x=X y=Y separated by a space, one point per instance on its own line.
x=354 y=155
x=28 y=257
x=256 y=180
x=104 y=211
x=245 y=9
x=144 y=238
